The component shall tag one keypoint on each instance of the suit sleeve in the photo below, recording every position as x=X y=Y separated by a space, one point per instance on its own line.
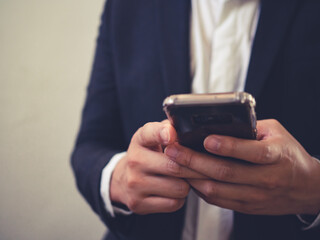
x=100 y=135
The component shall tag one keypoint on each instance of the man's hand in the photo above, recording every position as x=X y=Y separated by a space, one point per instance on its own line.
x=146 y=180
x=272 y=176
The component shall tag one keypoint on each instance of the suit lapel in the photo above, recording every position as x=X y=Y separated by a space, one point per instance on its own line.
x=275 y=18
x=173 y=20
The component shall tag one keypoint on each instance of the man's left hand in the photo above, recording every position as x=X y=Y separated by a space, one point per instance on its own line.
x=273 y=175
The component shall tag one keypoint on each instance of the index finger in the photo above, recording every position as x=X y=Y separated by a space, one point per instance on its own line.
x=254 y=151
x=160 y=164
x=155 y=133
x=221 y=169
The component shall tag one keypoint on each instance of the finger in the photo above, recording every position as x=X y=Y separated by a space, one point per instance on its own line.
x=221 y=198
x=240 y=206
x=168 y=187
x=155 y=133
x=220 y=202
x=259 y=152
x=227 y=204
x=221 y=169
x=211 y=189
x=151 y=162
x=156 y=204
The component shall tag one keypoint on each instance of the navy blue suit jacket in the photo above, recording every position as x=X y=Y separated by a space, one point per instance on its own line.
x=142 y=56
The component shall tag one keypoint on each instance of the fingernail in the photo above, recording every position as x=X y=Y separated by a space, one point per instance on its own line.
x=171 y=151
x=212 y=143
x=165 y=136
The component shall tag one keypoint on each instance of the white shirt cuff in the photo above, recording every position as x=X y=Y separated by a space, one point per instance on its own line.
x=105 y=186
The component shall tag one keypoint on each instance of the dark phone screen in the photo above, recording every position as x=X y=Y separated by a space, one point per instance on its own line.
x=194 y=123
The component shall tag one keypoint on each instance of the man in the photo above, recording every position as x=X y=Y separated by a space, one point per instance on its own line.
x=143 y=55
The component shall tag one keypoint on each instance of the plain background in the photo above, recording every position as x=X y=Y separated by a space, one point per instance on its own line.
x=46 y=52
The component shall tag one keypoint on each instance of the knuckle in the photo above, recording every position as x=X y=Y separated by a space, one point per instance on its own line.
x=147 y=126
x=225 y=172
x=271 y=183
x=270 y=153
x=231 y=147
x=265 y=154
x=132 y=181
x=133 y=159
x=133 y=204
x=278 y=153
x=183 y=189
x=142 y=133
x=175 y=204
x=189 y=158
x=145 y=130
x=136 y=134
x=274 y=122
x=174 y=168
x=210 y=190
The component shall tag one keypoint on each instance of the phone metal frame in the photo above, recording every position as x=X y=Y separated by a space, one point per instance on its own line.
x=208 y=99
x=211 y=100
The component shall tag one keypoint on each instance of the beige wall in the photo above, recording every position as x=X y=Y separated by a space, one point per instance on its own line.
x=46 y=51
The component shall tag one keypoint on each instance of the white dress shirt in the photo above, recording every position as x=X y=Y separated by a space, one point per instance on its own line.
x=222 y=33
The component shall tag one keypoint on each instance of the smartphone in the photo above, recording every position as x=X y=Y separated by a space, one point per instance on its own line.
x=195 y=116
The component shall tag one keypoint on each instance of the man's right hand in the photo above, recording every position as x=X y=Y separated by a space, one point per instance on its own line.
x=146 y=180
